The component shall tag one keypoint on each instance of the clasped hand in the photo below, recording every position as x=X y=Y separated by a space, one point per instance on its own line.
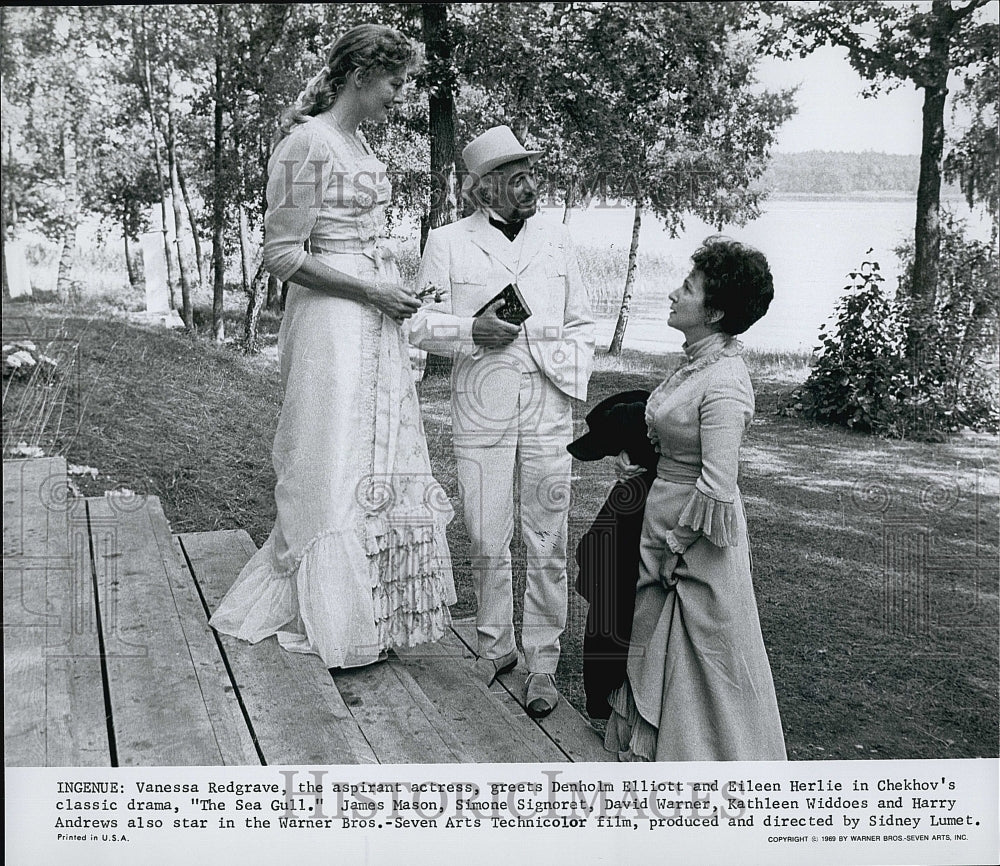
x=491 y=332
x=397 y=302
x=668 y=569
x=625 y=469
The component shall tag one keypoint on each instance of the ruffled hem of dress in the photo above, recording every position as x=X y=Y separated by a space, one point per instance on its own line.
x=410 y=628
x=628 y=733
x=414 y=588
x=324 y=606
x=342 y=603
x=716 y=520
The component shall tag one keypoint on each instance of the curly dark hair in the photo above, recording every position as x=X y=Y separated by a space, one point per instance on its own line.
x=738 y=281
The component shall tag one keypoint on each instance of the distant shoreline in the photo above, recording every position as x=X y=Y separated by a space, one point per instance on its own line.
x=860 y=195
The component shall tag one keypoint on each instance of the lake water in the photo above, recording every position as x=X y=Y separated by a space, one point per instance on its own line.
x=811 y=246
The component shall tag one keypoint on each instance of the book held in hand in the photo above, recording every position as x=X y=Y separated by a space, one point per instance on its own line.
x=514 y=310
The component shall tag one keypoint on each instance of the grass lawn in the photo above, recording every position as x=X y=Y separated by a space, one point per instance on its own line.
x=876 y=562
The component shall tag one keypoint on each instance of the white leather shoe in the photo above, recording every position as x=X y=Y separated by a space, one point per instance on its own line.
x=542 y=695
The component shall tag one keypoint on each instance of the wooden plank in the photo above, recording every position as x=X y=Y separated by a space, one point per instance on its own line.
x=159 y=712
x=490 y=727
x=28 y=520
x=569 y=730
x=296 y=714
x=26 y=533
x=54 y=711
x=231 y=731
x=76 y=712
x=402 y=729
x=442 y=726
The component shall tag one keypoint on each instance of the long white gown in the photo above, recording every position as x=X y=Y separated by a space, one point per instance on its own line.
x=357 y=561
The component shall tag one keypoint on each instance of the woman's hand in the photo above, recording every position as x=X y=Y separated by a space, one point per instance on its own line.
x=625 y=470
x=668 y=567
x=395 y=301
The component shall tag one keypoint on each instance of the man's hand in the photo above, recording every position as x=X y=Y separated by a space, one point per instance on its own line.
x=491 y=332
x=396 y=302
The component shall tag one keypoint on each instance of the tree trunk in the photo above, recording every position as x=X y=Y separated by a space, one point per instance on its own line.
x=619 y=338
x=927 y=233
x=218 y=197
x=244 y=249
x=9 y=190
x=569 y=201
x=441 y=104
x=8 y=195
x=257 y=293
x=154 y=128
x=133 y=279
x=255 y=288
x=71 y=214
x=274 y=293
x=191 y=221
x=187 y=311
x=3 y=236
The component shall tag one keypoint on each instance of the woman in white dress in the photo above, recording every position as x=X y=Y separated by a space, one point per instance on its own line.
x=357 y=562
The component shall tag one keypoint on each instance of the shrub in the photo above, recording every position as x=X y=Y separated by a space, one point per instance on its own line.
x=865 y=376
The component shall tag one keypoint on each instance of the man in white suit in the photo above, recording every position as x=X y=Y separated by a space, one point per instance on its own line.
x=513 y=389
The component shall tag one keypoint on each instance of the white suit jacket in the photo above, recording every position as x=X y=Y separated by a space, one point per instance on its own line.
x=471 y=261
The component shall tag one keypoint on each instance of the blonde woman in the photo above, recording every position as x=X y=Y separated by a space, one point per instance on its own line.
x=357 y=562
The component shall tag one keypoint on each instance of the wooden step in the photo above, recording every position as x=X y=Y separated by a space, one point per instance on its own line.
x=424 y=705
x=170 y=695
x=567 y=729
x=54 y=710
x=489 y=725
x=295 y=712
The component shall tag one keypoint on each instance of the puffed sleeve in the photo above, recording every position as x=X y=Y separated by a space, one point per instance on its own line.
x=711 y=508
x=298 y=176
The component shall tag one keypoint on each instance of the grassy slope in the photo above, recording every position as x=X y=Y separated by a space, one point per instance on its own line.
x=855 y=676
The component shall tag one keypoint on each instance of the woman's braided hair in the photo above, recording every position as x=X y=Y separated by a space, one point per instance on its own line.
x=368 y=47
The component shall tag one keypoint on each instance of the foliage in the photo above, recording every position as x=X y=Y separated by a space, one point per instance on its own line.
x=974 y=158
x=118 y=180
x=652 y=104
x=863 y=377
x=891 y=43
x=50 y=104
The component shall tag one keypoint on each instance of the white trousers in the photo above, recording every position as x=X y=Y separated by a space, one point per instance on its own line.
x=534 y=447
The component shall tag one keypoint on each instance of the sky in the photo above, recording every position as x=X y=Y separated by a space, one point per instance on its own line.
x=833 y=115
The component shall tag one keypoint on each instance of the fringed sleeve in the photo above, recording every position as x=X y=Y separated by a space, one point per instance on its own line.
x=715 y=520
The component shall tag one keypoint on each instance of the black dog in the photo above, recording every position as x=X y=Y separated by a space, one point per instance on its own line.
x=608 y=553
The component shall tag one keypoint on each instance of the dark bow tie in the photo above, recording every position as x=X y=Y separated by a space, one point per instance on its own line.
x=510 y=230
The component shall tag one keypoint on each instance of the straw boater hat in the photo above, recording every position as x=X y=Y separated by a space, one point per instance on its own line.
x=495 y=147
